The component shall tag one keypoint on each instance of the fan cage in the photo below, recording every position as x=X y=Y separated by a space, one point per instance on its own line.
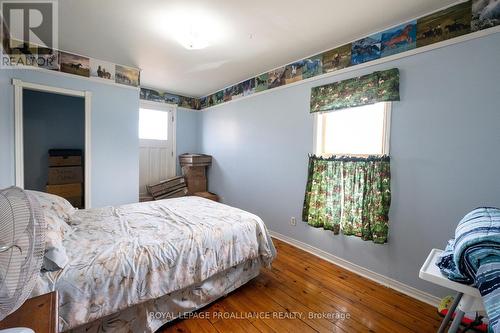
x=22 y=228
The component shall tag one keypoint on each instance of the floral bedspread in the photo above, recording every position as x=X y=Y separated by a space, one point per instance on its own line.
x=126 y=255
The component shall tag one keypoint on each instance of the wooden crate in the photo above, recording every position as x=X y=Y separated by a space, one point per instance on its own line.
x=195 y=160
x=167 y=189
x=182 y=192
x=66 y=190
x=167 y=186
x=65 y=175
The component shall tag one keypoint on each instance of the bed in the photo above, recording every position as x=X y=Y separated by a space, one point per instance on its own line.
x=135 y=267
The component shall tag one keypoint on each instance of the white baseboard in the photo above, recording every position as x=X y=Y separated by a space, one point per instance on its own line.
x=371 y=275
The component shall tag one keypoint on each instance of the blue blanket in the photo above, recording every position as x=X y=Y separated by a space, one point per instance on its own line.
x=473 y=257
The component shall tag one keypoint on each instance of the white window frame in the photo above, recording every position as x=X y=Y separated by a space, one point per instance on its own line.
x=318 y=132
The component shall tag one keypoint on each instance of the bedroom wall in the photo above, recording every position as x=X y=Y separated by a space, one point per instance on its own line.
x=115 y=143
x=187 y=131
x=50 y=121
x=445 y=138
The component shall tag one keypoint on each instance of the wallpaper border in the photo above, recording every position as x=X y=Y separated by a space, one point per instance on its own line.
x=452 y=22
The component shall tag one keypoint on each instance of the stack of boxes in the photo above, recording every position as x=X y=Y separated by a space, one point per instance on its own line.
x=194 y=170
x=65 y=177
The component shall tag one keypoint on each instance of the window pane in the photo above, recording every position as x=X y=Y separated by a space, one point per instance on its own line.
x=355 y=131
x=153 y=124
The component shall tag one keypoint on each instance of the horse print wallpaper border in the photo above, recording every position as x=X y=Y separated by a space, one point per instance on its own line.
x=454 y=21
x=17 y=54
x=161 y=96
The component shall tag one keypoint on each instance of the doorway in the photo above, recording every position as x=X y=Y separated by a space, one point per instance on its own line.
x=53 y=141
x=157 y=144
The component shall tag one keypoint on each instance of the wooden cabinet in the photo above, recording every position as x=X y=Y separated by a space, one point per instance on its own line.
x=65 y=177
x=38 y=313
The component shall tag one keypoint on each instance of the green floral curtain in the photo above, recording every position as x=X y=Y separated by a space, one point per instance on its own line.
x=368 y=89
x=349 y=194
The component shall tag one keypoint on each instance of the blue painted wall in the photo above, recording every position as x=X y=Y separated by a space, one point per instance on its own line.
x=188 y=133
x=115 y=143
x=50 y=121
x=445 y=140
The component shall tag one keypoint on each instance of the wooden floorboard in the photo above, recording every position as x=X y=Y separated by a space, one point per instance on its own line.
x=303 y=293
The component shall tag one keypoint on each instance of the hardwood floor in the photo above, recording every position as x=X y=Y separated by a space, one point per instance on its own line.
x=303 y=293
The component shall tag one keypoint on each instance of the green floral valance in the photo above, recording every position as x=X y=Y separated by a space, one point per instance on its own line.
x=367 y=89
x=350 y=195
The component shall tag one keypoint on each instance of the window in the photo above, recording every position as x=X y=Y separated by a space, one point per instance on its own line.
x=358 y=131
x=153 y=124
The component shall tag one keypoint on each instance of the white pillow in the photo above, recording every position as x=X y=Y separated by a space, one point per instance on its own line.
x=57 y=212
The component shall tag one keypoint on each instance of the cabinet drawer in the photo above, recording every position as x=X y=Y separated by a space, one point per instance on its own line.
x=65 y=161
x=66 y=190
x=65 y=175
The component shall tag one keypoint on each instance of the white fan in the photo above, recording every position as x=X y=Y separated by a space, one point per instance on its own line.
x=22 y=245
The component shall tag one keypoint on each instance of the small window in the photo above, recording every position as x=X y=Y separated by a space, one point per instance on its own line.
x=357 y=131
x=153 y=124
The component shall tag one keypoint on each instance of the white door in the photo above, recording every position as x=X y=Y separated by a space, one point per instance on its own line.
x=157 y=144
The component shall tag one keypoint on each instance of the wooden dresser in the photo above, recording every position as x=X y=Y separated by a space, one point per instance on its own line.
x=38 y=313
x=65 y=177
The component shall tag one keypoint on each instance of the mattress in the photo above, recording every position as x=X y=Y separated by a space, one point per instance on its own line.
x=120 y=257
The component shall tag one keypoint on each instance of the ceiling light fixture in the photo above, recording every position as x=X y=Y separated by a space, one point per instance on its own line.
x=193 y=28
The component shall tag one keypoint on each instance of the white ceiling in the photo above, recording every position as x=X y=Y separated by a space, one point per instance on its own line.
x=259 y=35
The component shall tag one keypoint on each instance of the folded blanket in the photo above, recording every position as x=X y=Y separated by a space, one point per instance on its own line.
x=473 y=257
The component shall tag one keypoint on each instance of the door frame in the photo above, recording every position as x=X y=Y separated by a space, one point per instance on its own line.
x=173 y=119
x=19 y=85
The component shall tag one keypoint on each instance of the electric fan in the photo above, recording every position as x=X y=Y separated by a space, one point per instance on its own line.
x=22 y=245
